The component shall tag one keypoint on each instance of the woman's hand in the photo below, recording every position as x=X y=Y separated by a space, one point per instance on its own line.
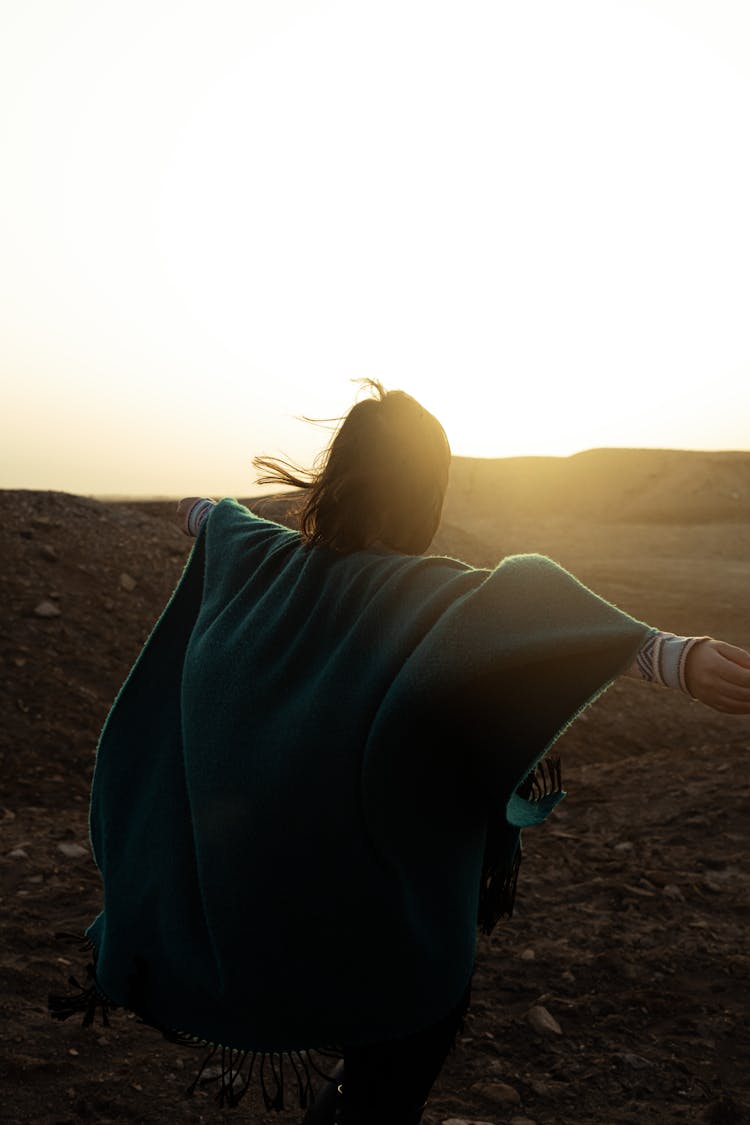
x=183 y=511
x=718 y=675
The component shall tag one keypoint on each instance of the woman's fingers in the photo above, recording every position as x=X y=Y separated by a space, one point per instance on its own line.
x=718 y=674
x=734 y=678
x=731 y=707
x=733 y=653
x=731 y=669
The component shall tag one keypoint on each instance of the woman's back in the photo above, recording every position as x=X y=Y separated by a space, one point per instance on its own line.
x=309 y=802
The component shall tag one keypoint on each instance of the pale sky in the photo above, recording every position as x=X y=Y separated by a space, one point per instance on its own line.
x=532 y=216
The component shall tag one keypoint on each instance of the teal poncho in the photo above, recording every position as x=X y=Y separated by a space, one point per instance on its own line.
x=312 y=771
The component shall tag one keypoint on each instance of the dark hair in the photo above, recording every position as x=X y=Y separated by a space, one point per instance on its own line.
x=382 y=477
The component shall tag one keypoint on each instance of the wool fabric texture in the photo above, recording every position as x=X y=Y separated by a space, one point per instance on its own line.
x=299 y=782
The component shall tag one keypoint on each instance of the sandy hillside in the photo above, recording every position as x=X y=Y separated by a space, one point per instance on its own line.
x=633 y=485
x=631 y=927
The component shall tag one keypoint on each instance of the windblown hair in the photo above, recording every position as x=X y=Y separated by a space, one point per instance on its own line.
x=382 y=477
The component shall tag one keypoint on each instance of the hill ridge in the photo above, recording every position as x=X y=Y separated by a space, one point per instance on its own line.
x=610 y=484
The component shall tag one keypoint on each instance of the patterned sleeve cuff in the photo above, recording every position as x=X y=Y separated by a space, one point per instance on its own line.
x=197 y=515
x=662 y=659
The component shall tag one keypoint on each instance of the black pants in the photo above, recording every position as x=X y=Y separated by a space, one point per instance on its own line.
x=388 y=1083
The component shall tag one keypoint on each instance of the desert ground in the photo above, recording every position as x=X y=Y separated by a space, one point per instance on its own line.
x=631 y=923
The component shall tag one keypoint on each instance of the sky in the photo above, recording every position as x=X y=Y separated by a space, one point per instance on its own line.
x=213 y=217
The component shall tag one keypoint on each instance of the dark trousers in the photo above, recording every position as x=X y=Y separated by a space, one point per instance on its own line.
x=388 y=1083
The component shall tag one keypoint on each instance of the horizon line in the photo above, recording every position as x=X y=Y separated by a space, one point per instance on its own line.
x=259 y=490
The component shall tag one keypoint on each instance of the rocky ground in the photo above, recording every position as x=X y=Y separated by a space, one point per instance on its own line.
x=619 y=992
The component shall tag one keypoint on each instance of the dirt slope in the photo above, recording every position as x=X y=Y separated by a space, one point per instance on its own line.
x=632 y=921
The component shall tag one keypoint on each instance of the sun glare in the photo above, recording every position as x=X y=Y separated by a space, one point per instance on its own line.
x=531 y=216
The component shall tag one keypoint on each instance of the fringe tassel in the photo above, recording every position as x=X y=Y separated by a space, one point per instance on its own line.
x=84 y=943
x=194 y=1084
x=230 y=1063
x=305 y=1093
x=497 y=894
x=497 y=890
x=233 y=1068
x=273 y=1096
x=88 y=999
x=544 y=780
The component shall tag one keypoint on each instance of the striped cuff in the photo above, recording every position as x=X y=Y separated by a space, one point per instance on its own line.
x=197 y=515
x=662 y=659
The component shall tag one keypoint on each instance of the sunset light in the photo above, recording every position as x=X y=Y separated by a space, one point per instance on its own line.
x=533 y=217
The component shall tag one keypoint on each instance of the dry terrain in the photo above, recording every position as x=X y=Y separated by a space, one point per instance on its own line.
x=631 y=927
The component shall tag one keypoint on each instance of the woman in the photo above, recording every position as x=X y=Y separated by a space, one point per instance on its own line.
x=312 y=785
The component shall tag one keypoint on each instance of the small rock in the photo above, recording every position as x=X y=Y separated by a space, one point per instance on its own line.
x=568 y=977
x=542 y=1021
x=673 y=891
x=624 y=846
x=212 y=1072
x=48 y=552
x=528 y=955
x=548 y=1088
x=18 y=853
x=47 y=609
x=466 y=1121
x=636 y=1061
x=495 y=1068
x=179 y=1064
x=127 y=582
x=72 y=1051
x=713 y=886
x=499 y=1092
x=72 y=851
x=19 y=661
